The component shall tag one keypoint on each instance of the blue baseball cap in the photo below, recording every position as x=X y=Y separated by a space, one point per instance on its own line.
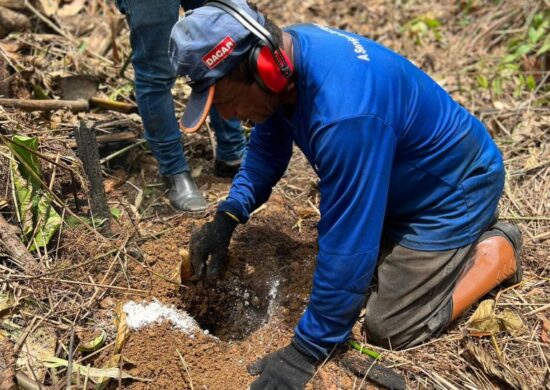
x=205 y=45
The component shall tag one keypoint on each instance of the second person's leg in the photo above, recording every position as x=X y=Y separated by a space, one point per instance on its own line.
x=150 y=26
x=231 y=143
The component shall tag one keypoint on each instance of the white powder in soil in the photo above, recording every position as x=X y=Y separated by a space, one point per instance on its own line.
x=139 y=315
x=273 y=289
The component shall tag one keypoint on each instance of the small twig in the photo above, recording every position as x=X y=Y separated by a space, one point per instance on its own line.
x=313 y=207
x=5 y=56
x=542 y=236
x=24 y=336
x=95 y=352
x=323 y=363
x=130 y=290
x=538 y=310
x=184 y=364
x=525 y=218
x=212 y=139
x=52 y=322
x=70 y=359
x=30 y=365
x=523 y=172
x=121 y=151
x=125 y=66
x=85 y=386
x=18 y=279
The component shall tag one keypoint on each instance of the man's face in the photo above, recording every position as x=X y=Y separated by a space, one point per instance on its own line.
x=234 y=99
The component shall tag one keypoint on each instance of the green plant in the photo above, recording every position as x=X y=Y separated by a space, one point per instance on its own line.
x=422 y=27
x=39 y=220
x=124 y=91
x=536 y=41
x=524 y=53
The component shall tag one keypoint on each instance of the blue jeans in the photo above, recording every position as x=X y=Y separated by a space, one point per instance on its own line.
x=150 y=25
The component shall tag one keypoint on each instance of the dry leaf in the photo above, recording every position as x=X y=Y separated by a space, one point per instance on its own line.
x=7 y=303
x=500 y=105
x=485 y=322
x=511 y=322
x=545 y=331
x=533 y=159
x=122 y=328
x=114 y=361
x=121 y=336
x=118 y=178
x=99 y=39
x=196 y=172
x=38 y=345
x=11 y=50
x=71 y=9
x=48 y=7
x=113 y=372
x=490 y=366
x=186 y=268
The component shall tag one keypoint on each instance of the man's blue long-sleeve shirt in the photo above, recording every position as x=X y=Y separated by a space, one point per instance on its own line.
x=393 y=152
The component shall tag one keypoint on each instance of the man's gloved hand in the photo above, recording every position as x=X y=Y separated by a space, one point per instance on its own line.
x=211 y=240
x=288 y=368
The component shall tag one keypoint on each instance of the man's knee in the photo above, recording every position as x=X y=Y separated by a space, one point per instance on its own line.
x=376 y=330
x=407 y=331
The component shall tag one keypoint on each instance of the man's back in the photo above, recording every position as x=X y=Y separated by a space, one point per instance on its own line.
x=446 y=171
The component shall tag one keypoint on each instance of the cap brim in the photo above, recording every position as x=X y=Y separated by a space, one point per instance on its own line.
x=197 y=110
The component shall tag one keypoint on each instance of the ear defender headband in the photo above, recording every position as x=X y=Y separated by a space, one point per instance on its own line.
x=268 y=62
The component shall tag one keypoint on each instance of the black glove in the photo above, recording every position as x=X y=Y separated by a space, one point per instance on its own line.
x=211 y=240
x=288 y=368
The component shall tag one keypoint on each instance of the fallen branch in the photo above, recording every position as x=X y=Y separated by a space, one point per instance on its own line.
x=365 y=367
x=108 y=138
x=46 y=105
x=77 y=105
x=113 y=105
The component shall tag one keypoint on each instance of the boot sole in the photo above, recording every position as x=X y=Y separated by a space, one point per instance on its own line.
x=193 y=214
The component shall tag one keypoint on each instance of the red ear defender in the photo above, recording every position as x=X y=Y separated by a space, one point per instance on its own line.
x=269 y=64
x=267 y=72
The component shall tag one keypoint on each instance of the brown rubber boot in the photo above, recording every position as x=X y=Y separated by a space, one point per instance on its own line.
x=496 y=261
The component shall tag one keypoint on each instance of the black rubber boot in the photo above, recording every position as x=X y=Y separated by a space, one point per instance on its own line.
x=184 y=194
x=512 y=233
x=225 y=169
